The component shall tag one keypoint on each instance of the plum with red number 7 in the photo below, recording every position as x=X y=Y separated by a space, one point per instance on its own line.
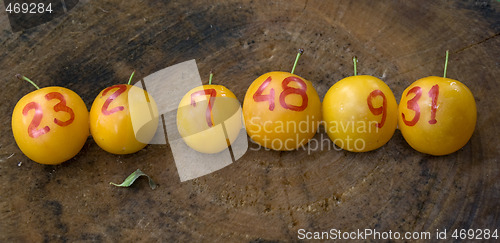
x=437 y=114
x=112 y=115
x=282 y=111
x=360 y=113
x=209 y=118
x=50 y=125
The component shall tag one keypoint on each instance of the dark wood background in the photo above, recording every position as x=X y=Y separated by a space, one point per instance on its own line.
x=266 y=195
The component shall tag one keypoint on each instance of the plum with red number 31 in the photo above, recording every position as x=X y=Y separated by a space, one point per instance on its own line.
x=437 y=115
x=282 y=111
x=360 y=113
x=113 y=113
x=50 y=125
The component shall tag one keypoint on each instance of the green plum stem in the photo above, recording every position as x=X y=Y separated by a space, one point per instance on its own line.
x=131 y=76
x=297 y=60
x=21 y=77
x=446 y=64
x=355 y=60
x=210 y=78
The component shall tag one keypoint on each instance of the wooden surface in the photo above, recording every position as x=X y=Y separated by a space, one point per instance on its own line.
x=266 y=195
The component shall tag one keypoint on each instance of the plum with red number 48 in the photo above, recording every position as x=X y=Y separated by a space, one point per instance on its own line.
x=50 y=125
x=113 y=114
x=282 y=111
x=360 y=113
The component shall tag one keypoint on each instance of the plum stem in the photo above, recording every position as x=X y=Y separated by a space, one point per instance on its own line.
x=21 y=77
x=446 y=64
x=210 y=78
x=297 y=59
x=131 y=76
x=355 y=60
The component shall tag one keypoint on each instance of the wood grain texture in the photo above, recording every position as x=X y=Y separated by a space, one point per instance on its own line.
x=266 y=195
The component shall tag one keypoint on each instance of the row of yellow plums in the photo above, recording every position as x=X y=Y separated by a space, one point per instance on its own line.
x=282 y=111
x=50 y=125
x=359 y=114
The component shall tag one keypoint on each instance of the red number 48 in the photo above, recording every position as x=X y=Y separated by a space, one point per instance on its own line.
x=258 y=96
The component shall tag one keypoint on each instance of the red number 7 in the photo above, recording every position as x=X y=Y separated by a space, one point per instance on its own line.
x=211 y=100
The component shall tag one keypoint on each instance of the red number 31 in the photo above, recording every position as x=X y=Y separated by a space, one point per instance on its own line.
x=413 y=105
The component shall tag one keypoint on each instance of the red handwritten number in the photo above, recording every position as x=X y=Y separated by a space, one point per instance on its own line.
x=413 y=105
x=380 y=110
x=61 y=106
x=121 y=88
x=212 y=93
x=434 y=93
x=287 y=90
x=37 y=119
x=259 y=97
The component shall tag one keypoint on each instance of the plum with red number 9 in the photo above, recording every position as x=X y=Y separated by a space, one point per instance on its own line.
x=437 y=114
x=50 y=125
x=112 y=117
x=282 y=111
x=360 y=113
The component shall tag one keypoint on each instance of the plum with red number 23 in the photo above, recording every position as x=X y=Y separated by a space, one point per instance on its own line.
x=282 y=111
x=111 y=118
x=360 y=113
x=50 y=125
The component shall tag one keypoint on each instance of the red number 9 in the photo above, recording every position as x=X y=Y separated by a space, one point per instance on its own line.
x=380 y=110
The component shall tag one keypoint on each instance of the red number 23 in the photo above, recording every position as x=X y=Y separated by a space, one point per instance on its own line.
x=33 y=130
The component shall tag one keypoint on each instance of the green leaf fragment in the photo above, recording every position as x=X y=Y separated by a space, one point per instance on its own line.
x=132 y=177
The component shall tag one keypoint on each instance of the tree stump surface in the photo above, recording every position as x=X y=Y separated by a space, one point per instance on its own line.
x=265 y=195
